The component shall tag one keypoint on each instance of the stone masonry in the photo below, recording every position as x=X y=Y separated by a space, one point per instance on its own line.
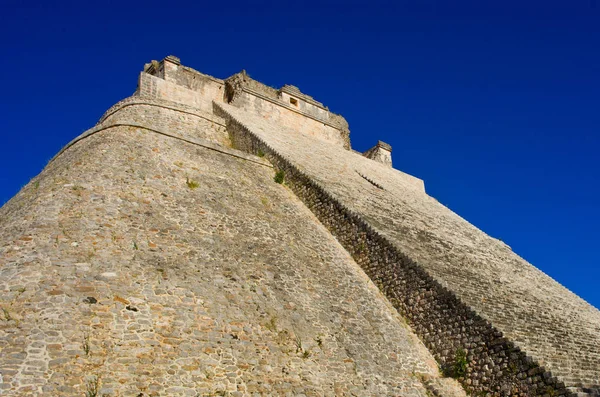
x=156 y=255
x=149 y=258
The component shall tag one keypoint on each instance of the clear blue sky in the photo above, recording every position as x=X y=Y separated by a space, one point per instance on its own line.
x=495 y=104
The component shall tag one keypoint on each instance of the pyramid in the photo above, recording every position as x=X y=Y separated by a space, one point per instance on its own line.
x=221 y=237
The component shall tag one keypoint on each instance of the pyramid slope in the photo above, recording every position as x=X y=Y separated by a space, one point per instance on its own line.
x=554 y=327
x=162 y=267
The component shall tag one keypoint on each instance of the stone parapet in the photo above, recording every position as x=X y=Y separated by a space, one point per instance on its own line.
x=382 y=153
x=293 y=90
x=176 y=83
x=169 y=80
x=243 y=91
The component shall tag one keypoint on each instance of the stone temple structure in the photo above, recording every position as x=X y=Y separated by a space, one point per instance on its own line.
x=157 y=255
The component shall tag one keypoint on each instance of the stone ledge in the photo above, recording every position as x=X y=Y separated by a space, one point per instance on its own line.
x=141 y=100
x=198 y=142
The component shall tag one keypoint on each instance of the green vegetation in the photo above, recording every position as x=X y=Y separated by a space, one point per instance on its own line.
x=78 y=190
x=86 y=344
x=92 y=387
x=319 y=341
x=298 y=344
x=191 y=183
x=279 y=176
x=272 y=324
x=7 y=315
x=362 y=247
x=459 y=366
x=260 y=153
x=460 y=363
x=90 y=254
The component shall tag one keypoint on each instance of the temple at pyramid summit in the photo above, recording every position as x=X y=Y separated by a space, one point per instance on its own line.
x=213 y=237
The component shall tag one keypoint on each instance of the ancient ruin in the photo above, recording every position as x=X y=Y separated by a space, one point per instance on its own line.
x=214 y=237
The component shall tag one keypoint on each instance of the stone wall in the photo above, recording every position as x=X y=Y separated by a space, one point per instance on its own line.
x=382 y=153
x=150 y=258
x=275 y=112
x=171 y=81
x=439 y=310
x=306 y=115
x=145 y=264
x=185 y=88
x=184 y=121
x=306 y=104
x=236 y=83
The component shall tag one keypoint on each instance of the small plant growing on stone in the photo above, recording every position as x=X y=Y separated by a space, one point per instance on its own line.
x=362 y=247
x=92 y=387
x=90 y=255
x=6 y=313
x=460 y=363
x=20 y=291
x=191 y=183
x=305 y=354
x=78 y=190
x=512 y=367
x=279 y=176
x=283 y=336
x=298 y=341
x=272 y=324
x=260 y=153
x=135 y=246
x=85 y=345
x=319 y=341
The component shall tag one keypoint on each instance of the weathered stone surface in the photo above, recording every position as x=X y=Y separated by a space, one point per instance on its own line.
x=230 y=286
x=287 y=106
x=459 y=288
x=382 y=153
x=157 y=255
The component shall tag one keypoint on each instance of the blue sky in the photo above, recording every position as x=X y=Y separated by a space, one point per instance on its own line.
x=495 y=104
